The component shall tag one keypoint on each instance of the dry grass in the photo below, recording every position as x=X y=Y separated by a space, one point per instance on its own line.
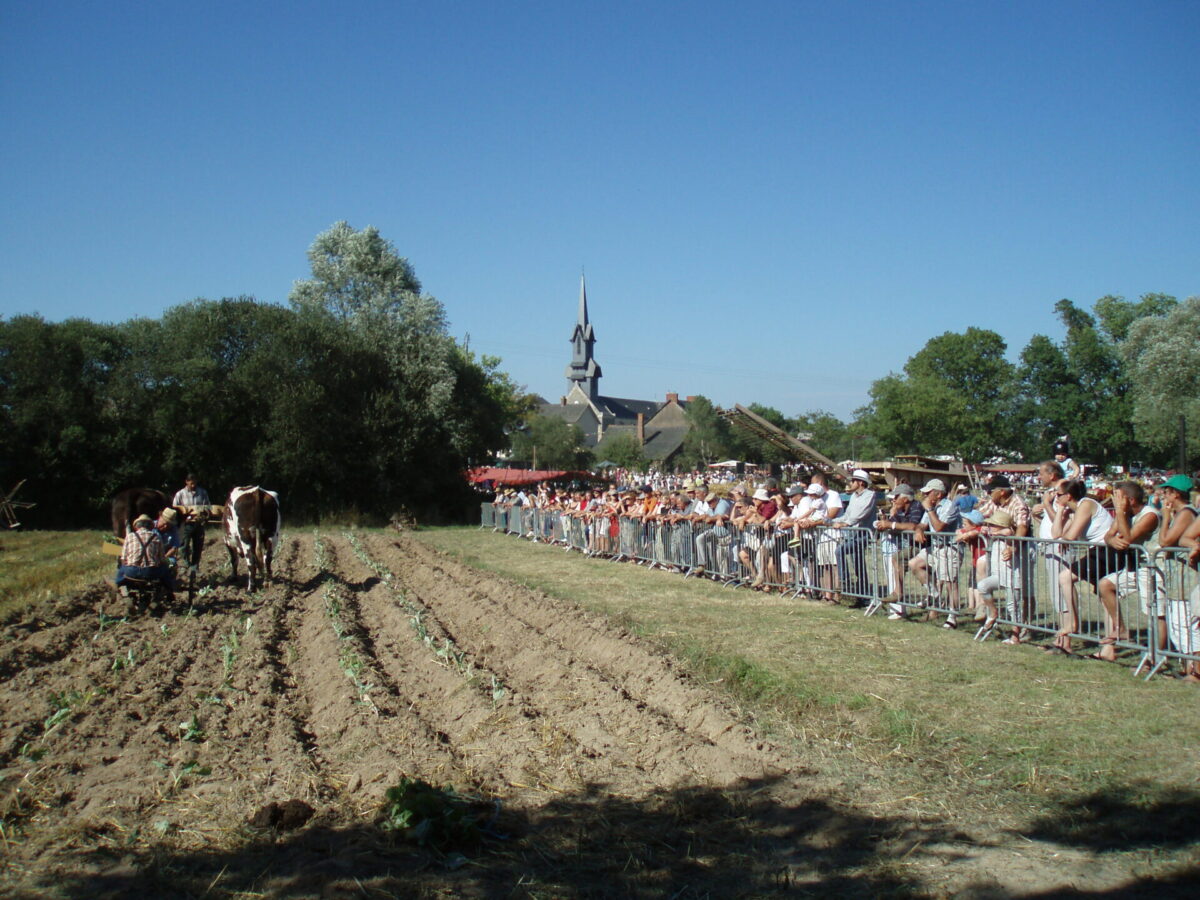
x=36 y=565
x=906 y=714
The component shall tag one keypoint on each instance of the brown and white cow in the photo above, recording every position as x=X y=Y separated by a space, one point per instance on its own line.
x=133 y=502
x=250 y=525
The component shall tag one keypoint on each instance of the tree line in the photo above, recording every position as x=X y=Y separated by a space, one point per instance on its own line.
x=1120 y=383
x=352 y=399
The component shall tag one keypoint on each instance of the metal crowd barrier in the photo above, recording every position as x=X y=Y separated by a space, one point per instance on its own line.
x=1019 y=587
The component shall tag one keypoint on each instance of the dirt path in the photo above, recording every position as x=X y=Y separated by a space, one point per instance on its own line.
x=134 y=750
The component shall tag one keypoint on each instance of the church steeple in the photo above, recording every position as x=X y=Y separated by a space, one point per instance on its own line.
x=584 y=370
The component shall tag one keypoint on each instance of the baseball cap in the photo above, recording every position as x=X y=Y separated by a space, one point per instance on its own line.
x=934 y=484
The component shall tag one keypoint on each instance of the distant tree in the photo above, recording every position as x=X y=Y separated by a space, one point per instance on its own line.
x=1163 y=356
x=708 y=440
x=624 y=450
x=955 y=397
x=551 y=443
x=59 y=427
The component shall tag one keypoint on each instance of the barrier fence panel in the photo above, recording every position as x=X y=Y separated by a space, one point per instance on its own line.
x=1176 y=611
x=1129 y=600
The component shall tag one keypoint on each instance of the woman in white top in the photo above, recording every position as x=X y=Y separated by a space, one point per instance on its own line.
x=1079 y=518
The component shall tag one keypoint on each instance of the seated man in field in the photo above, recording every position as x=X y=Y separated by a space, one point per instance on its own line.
x=142 y=555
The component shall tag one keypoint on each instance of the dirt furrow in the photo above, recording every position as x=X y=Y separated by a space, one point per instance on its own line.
x=568 y=681
x=368 y=744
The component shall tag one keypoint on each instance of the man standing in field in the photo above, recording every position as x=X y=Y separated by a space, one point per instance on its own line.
x=195 y=500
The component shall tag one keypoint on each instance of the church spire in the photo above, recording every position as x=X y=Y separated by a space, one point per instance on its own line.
x=584 y=370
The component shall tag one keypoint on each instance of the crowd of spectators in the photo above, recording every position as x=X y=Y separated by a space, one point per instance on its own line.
x=801 y=531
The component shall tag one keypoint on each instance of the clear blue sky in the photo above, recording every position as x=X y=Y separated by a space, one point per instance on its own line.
x=773 y=202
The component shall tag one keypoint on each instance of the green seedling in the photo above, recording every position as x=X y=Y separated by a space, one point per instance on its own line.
x=192 y=730
x=229 y=649
x=122 y=662
x=107 y=621
x=498 y=690
x=31 y=753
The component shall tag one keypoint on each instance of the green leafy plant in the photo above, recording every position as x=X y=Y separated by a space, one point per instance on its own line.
x=192 y=730
x=439 y=818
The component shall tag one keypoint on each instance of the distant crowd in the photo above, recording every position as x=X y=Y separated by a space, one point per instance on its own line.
x=777 y=533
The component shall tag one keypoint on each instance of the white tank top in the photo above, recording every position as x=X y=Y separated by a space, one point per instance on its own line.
x=1099 y=524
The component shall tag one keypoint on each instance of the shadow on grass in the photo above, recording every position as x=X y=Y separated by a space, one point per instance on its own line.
x=692 y=842
x=1128 y=817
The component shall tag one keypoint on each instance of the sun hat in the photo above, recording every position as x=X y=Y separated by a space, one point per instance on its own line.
x=973 y=516
x=934 y=484
x=142 y=520
x=814 y=490
x=170 y=515
x=903 y=490
x=1001 y=518
x=1180 y=482
x=861 y=475
x=710 y=497
x=761 y=494
x=795 y=490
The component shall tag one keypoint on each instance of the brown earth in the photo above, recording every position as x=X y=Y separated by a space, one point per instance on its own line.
x=182 y=755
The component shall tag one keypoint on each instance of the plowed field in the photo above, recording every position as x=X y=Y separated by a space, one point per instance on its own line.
x=136 y=750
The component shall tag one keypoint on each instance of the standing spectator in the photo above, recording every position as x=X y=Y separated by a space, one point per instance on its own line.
x=1049 y=474
x=943 y=556
x=194 y=501
x=858 y=515
x=1134 y=523
x=896 y=528
x=1079 y=518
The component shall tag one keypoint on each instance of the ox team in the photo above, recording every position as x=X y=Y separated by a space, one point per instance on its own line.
x=154 y=545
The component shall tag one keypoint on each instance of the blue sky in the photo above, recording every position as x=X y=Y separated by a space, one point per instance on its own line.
x=773 y=202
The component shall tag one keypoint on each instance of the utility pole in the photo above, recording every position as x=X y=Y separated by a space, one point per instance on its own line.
x=1183 y=466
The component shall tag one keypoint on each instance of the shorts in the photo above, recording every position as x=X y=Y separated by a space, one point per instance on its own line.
x=1095 y=563
x=945 y=561
x=1146 y=582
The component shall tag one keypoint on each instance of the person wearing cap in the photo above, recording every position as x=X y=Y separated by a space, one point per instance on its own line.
x=1080 y=519
x=193 y=500
x=807 y=516
x=168 y=533
x=938 y=566
x=859 y=515
x=896 y=528
x=1062 y=456
x=142 y=555
x=1177 y=511
x=964 y=498
x=995 y=569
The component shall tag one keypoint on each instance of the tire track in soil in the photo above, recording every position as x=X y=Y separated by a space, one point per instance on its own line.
x=631 y=720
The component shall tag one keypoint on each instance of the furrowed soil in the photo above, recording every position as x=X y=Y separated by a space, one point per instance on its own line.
x=140 y=753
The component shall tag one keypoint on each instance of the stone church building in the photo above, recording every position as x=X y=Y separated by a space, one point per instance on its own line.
x=659 y=426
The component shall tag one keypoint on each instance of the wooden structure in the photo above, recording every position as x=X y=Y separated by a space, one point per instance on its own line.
x=742 y=418
x=9 y=506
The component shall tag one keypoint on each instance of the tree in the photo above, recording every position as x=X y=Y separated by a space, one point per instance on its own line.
x=551 y=443
x=1163 y=356
x=955 y=397
x=433 y=408
x=708 y=440
x=624 y=450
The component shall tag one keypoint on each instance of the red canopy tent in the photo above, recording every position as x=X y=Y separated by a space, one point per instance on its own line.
x=521 y=476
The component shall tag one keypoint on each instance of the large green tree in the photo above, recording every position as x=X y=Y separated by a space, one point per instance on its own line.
x=1162 y=352
x=955 y=397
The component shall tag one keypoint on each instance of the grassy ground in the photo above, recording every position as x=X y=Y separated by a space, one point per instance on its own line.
x=902 y=712
x=39 y=564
